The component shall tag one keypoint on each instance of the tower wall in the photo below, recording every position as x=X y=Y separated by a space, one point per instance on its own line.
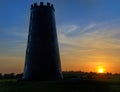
x=42 y=53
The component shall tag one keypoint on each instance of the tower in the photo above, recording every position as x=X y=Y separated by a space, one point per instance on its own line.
x=42 y=61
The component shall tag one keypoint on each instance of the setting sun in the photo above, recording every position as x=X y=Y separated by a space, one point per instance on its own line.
x=100 y=70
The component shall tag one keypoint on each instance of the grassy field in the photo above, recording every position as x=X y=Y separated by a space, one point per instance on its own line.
x=61 y=86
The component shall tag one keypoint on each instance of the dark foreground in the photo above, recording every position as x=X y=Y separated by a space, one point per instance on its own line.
x=61 y=86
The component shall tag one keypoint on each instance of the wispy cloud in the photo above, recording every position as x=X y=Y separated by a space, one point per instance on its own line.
x=14 y=31
x=67 y=29
x=13 y=41
x=93 y=33
x=12 y=49
x=93 y=43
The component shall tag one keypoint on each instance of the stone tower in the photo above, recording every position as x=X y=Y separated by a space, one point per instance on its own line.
x=42 y=54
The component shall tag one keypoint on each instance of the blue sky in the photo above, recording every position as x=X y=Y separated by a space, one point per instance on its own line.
x=88 y=33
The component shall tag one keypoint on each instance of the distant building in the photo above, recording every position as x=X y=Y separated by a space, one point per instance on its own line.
x=42 y=53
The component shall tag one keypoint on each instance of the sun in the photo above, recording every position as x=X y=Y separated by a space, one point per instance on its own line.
x=101 y=70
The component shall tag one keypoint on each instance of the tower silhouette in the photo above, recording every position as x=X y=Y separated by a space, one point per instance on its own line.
x=42 y=54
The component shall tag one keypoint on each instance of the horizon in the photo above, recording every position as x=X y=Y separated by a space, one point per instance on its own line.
x=69 y=71
x=88 y=34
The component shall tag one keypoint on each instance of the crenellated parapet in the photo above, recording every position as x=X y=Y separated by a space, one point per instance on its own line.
x=42 y=5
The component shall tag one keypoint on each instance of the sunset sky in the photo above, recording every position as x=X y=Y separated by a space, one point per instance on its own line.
x=88 y=34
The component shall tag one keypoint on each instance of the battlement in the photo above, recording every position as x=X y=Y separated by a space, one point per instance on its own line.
x=42 y=5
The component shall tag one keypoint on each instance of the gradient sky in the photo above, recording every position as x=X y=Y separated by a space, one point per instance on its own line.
x=88 y=33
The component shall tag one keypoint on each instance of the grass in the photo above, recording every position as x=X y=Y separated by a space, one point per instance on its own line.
x=61 y=86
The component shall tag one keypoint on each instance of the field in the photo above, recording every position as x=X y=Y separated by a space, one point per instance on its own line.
x=60 y=86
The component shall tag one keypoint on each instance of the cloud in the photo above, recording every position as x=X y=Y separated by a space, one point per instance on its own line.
x=89 y=27
x=67 y=29
x=98 y=42
x=12 y=49
x=79 y=45
x=93 y=33
x=14 y=31
x=13 y=41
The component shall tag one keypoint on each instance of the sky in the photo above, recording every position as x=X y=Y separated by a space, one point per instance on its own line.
x=88 y=34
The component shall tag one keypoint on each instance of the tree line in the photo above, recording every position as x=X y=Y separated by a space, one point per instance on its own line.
x=70 y=75
x=11 y=76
